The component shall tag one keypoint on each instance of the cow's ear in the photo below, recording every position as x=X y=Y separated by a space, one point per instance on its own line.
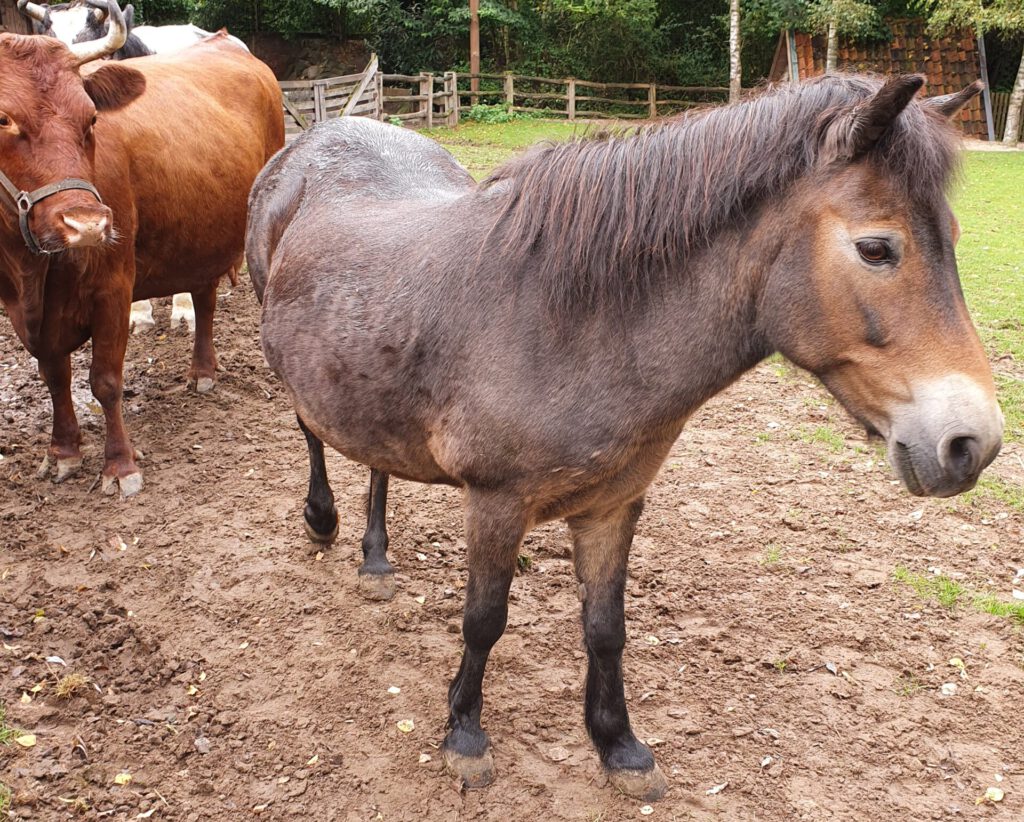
x=113 y=86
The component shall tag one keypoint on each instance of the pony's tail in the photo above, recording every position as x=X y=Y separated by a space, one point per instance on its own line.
x=273 y=201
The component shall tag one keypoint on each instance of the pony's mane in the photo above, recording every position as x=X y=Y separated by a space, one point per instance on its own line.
x=605 y=218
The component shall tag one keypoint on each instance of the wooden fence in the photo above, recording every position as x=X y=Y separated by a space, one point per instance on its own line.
x=426 y=100
x=581 y=99
x=1000 y=107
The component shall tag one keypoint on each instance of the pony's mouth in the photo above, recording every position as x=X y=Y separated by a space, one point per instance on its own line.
x=904 y=465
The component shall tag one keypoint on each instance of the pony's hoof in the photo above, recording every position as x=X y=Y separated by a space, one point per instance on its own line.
x=647 y=786
x=472 y=772
x=318 y=538
x=204 y=385
x=377 y=586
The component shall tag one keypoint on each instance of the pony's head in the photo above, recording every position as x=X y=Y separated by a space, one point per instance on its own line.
x=864 y=291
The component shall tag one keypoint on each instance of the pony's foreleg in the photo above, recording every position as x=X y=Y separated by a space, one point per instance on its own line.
x=376 y=574
x=600 y=552
x=494 y=531
x=320 y=515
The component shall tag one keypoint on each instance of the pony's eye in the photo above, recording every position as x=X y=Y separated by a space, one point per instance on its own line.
x=5 y=121
x=875 y=252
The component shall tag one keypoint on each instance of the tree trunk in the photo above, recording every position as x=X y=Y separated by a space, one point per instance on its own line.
x=832 y=54
x=734 y=51
x=1013 y=113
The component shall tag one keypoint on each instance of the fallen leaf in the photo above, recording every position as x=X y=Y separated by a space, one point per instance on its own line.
x=313 y=759
x=319 y=556
x=192 y=690
x=202 y=676
x=948 y=688
x=244 y=645
x=653 y=640
x=958 y=663
x=25 y=698
x=991 y=795
x=646 y=810
x=716 y=789
x=421 y=599
x=832 y=668
x=36 y=688
x=147 y=814
x=56 y=660
x=26 y=740
x=424 y=758
x=405 y=725
x=123 y=778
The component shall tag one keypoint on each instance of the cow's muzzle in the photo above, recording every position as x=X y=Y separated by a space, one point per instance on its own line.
x=24 y=201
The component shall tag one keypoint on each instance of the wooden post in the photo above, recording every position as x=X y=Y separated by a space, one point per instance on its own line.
x=510 y=90
x=427 y=88
x=570 y=103
x=451 y=84
x=652 y=101
x=379 y=79
x=319 y=101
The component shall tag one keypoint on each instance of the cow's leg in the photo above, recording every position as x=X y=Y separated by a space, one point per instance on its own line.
x=204 y=359
x=183 y=310
x=320 y=515
x=64 y=453
x=141 y=317
x=376 y=574
x=494 y=531
x=600 y=551
x=106 y=379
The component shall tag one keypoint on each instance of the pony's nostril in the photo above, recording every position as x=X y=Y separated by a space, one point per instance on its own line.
x=963 y=455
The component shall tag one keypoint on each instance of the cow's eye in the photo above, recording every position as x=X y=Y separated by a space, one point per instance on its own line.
x=5 y=121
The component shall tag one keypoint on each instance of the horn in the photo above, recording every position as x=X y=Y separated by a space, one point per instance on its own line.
x=117 y=33
x=32 y=11
x=949 y=105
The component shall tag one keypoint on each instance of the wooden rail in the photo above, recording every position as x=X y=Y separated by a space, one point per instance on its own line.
x=426 y=99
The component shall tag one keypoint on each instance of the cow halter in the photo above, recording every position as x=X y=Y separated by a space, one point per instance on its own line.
x=24 y=201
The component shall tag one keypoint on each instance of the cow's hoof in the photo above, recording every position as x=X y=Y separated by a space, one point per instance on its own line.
x=647 y=786
x=204 y=385
x=65 y=467
x=318 y=538
x=129 y=485
x=380 y=587
x=472 y=772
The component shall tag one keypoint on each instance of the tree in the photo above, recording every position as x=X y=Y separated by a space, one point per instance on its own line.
x=982 y=16
x=835 y=17
x=735 y=69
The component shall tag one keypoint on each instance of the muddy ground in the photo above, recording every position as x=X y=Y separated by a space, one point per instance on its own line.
x=234 y=674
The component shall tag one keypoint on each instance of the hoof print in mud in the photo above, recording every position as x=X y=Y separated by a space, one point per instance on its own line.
x=471 y=772
x=647 y=786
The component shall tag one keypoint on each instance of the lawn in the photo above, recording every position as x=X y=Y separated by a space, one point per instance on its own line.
x=988 y=201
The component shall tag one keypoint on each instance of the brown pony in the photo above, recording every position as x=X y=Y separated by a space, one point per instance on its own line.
x=539 y=340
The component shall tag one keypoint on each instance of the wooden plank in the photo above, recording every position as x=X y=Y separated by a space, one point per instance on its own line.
x=541 y=96
x=570 y=96
x=368 y=75
x=401 y=78
x=612 y=100
x=295 y=113
x=587 y=84
x=528 y=79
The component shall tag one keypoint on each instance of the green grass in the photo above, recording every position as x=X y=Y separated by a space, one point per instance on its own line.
x=952 y=594
x=772 y=555
x=7 y=733
x=990 y=488
x=825 y=435
x=990 y=206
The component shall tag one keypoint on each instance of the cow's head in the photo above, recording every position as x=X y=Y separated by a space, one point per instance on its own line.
x=48 y=111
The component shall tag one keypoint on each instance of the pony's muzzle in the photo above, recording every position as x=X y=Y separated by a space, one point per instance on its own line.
x=941 y=442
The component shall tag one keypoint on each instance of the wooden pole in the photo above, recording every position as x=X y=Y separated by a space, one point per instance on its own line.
x=986 y=94
x=427 y=88
x=652 y=101
x=570 y=102
x=474 y=49
x=510 y=90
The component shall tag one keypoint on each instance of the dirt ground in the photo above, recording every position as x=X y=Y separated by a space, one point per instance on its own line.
x=235 y=674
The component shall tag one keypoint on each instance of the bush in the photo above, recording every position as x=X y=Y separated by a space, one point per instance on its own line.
x=495 y=115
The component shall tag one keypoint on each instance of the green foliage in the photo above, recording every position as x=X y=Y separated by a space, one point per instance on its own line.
x=494 y=115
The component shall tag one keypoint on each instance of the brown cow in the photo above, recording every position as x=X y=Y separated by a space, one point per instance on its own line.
x=172 y=145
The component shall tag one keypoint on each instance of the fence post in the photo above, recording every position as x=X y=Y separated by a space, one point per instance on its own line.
x=379 y=81
x=510 y=90
x=570 y=103
x=319 y=102
x=451 y=81
x=652 y=101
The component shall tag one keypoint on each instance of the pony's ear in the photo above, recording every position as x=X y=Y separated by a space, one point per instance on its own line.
x=949 y=105
x=854 y=132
